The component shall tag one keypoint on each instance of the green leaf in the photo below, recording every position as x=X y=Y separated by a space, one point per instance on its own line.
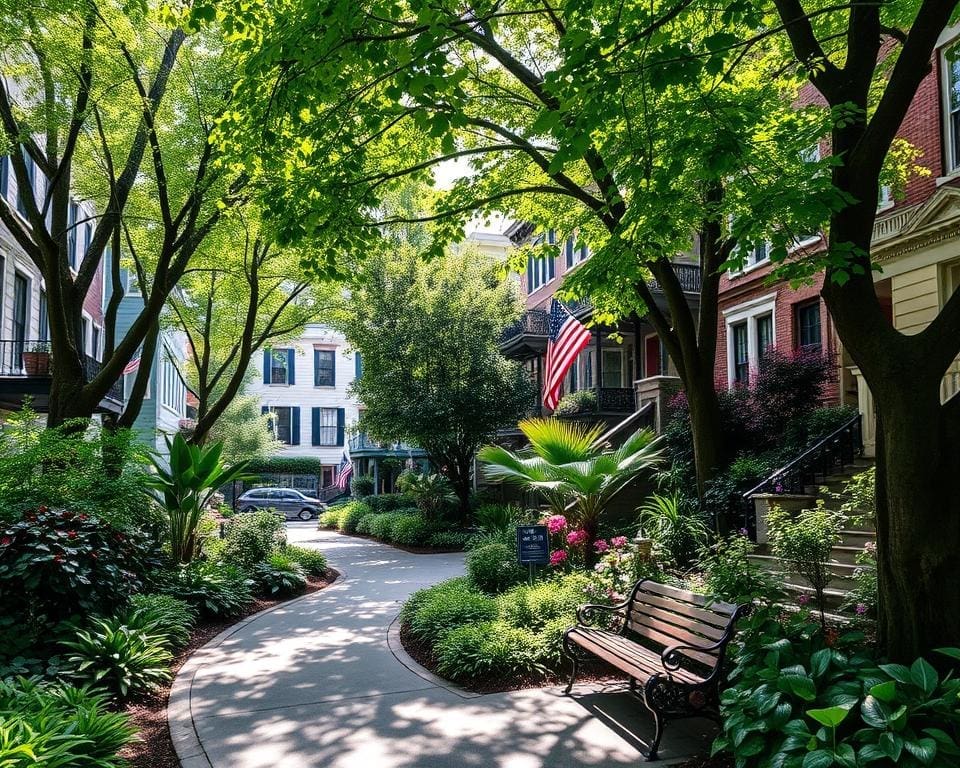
x=873 y=712
x=898 y=672
x=819 y=758
x=953 y=653
x=801 y=687
x=820 y=661
x=891 y=745
x=924 y=676
x=845 y=755
x=885 y=691
x=830 y=716
x=925 y=750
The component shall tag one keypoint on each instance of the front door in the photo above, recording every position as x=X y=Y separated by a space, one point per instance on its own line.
x=20 y=287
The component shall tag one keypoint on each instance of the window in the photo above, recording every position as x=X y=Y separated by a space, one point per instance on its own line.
x=173 y=392
x=327 y=427
x=540 y=271
x=87 y=237
x=327 y=475
x=31 y=176
x=575 y=254
x=573 y=378
x=21 y=292
x=84 y=333
x=741 y=353
x=95 y=342
x=807 y=326
x=764 y=334
x=281 y=424
x=324 y=368
x=278 y=366
x=951 y=68
x=44 y=318
x=587 y=357
x=612 y=368
x=885 y=199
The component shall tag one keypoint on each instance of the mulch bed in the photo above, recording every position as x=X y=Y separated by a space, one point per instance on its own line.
x=154 y=748
x=420 y=652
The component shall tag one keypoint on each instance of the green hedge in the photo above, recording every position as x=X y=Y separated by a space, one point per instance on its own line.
x=286 y=465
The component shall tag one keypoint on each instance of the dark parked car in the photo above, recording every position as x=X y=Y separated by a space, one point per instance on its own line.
x=287 y=501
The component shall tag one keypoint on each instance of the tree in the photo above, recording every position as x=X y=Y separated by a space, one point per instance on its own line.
x=91 y=87
x=561 y=125
x=241 y=293
x=244 y=431
x=433 y=376
x=566 y=464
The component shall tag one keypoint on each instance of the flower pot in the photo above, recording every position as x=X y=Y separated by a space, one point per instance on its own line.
x=644 y=548
x=36 y=363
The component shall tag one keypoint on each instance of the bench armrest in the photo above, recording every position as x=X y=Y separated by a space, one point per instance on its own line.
x=672 y=656
x=588 y=614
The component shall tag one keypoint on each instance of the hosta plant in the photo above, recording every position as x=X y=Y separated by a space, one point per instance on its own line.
x=280 y=575
x=217 y=591
x=162 y=616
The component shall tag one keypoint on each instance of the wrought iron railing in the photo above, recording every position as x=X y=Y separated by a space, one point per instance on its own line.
x=30 y=358
x=688 y=275
x=827 y=456
x=533 y=322
x=363 y=442
x=617 y=399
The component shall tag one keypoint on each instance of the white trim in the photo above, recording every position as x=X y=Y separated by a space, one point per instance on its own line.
x=748 y=312
x=952 y=168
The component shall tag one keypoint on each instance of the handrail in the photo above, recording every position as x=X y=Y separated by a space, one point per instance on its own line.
x=816 y=449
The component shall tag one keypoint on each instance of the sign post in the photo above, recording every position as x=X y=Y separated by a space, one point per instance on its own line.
x=533 y=546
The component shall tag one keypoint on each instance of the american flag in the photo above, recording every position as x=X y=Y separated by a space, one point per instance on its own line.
x=133 y=364
x=344 y=472
x=567 y=337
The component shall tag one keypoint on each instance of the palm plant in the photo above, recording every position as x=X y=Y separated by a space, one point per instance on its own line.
x=677 y=532
x=574 y=473
x=184 y=485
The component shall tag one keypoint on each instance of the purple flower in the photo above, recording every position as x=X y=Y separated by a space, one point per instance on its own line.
x=577 y=537
x=601 y=546
x=860 y=609
x=556 y=523
x=618 y=541
x=744 y=532
x=803 y=599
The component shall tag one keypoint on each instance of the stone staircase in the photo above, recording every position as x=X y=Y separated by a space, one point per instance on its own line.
x=842 y=565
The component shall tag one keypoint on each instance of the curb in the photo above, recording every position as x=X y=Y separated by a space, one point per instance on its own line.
x=183 y=731
x=397 y=649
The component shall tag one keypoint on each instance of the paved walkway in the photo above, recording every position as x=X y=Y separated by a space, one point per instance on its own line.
x=321 y=681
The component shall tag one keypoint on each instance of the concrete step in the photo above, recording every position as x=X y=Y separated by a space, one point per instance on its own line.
x=856 y=538
x=832 y=598
x=842 y=573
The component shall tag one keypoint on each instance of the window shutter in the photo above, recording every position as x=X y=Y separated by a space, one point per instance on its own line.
x=357 y=365
x=291 y=367
x=316 y=426
x=264 y=410
x=295 y=425
x=333 y=368
x=341 y=420
x=266 y=369
x=316 y=367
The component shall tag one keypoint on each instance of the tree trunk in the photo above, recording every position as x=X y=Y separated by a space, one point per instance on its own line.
x=706 y=426
x=918 y=522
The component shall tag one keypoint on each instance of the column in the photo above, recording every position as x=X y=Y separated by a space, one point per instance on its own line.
x=868 y=412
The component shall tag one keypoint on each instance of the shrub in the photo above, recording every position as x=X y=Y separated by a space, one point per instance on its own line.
x=437 y=610
x=572 y=403
x=312 y=561
x=249 y=539
x=533 y=607
x=365 y=524
x=389 y=502
x=487 y=649
x=456 y=540
x=55 y=564
x=730 y=574
x=493 y=567
x=497 y=518
x=362 y=486
x=803 y=544
x=412 y=530
x=677 y=532
x=218 y=592
x=382 y=524
x=432 y=493
x=59 y=725
x=163 y=616
x=122 y=660
x=330 y=518
x=621 y=566
x=351 y=514
x=280 y=575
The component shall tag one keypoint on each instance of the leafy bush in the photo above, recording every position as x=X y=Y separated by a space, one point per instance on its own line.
x=330 y=518
x=162 y=616
x=412 y=530
x=55 y=564
x=389 y=502
x=382 y=524
x=122 y=660
x=48 y=726
x=432 y=493
x=805 y=697
x=493 y=567
x=824 y=421
x=217 y=591
x=361 y=486
x=497 y=518
x=487 y=649
x=455 y=540
x=313 y=561
x=621 y=566
x=365 y=524
x=533 y=607
x=351 y=514
x=280 y=575
x=573 y=403
x=249 y=539
x=803 y=543
x=677 y=532
x=435 y=611
x=863 y=598
x=730 y=574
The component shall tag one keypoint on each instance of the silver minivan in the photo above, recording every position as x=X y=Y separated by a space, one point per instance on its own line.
x=291 y=503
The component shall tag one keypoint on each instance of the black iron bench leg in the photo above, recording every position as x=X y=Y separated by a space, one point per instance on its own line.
x=651 y=753
x=573 y=674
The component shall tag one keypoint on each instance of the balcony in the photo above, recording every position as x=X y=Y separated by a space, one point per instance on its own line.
x=361 y=444
x=25 y=371
x=688 y=275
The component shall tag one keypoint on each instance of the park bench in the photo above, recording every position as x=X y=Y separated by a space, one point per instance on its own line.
x=669 y=642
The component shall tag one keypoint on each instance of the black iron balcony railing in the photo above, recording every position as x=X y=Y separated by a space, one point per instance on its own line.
x=30 y=358
x=533 y=322
x=617 y=400
x=363 y=442
x=688 y=275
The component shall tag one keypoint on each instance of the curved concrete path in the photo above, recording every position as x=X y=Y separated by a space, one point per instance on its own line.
x=321 y=681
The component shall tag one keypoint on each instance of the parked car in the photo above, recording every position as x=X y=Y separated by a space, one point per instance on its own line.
x=286 y=501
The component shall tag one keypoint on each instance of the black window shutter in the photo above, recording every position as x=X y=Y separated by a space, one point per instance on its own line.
x=295 y=425
x=316 y=426
x=341 y=423
x=266 y=368
x=316 y=367
x=291 y=365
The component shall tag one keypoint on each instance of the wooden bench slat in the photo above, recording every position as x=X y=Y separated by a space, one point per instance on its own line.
x=622 y=653
x=691 y=611
x=676 y=621
x=666 y=641
x=701 y=601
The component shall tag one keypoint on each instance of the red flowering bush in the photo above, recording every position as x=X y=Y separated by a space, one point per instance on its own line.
x=55 y=564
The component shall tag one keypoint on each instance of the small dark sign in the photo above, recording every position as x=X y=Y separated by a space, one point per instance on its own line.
x=533 y=544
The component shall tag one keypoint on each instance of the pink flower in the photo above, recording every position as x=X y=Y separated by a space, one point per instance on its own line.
x=803 y=599
x=556 y=523
x=600 y=545
x=860 y=609
x=618 y=541
x=558 y=557
x=870 y=547
x=577 y=537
